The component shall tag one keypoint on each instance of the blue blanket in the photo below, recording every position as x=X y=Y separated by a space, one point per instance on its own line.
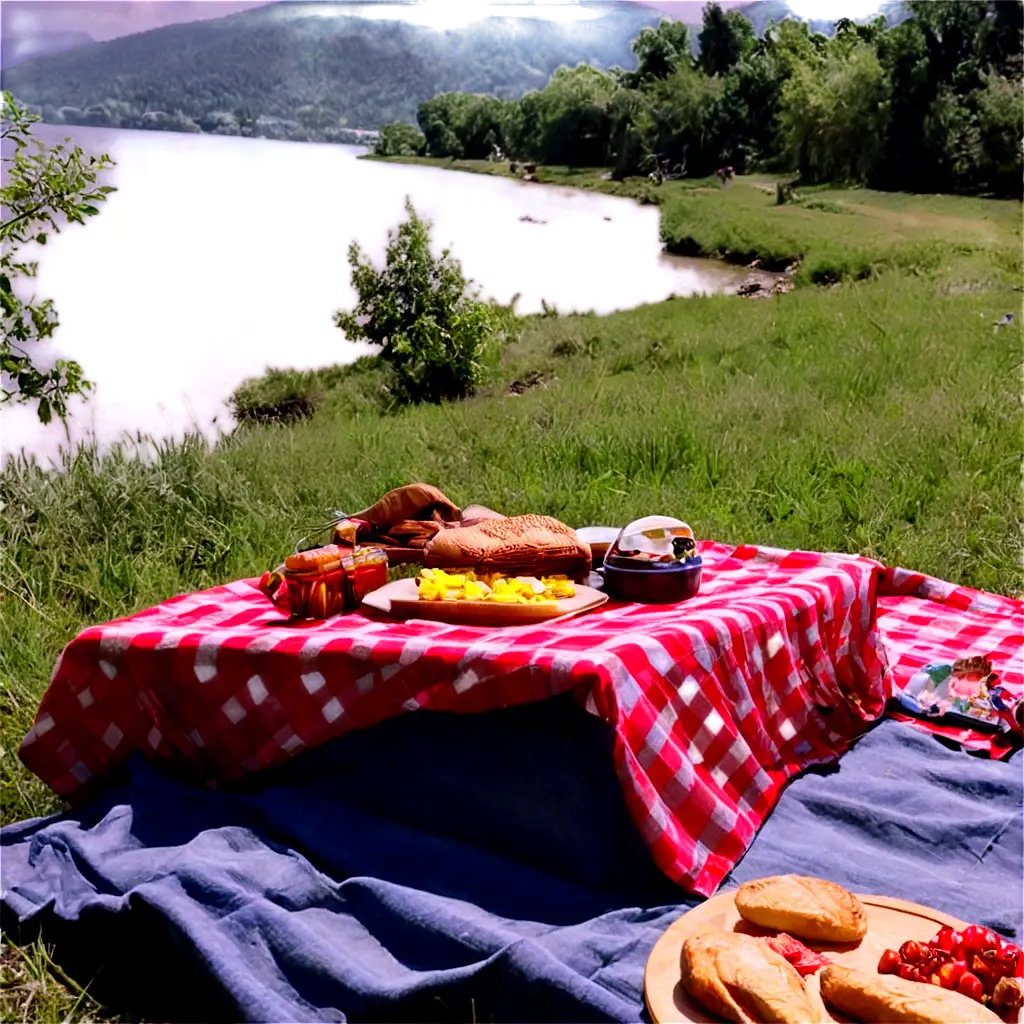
x=442 y=868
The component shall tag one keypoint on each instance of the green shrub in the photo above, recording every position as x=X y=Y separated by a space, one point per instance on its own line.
x=399 y=139
x=421 y=311
x=284 y=396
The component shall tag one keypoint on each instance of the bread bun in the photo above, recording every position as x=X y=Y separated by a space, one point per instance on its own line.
x=742 y=979
x=807 y=908
x=891 y=1000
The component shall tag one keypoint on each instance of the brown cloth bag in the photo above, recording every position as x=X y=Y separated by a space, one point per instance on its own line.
x=409 y=516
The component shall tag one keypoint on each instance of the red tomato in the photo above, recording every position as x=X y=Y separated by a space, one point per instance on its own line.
x=1013 y=958
x=908 y=972
x=950 y=973
x=912 y=952
x=970 y=986
x=983 y=973
x=889 y=962
x=977 y=939
x=946 y=940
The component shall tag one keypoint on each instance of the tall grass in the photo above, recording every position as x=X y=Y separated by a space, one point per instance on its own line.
x=881 y=417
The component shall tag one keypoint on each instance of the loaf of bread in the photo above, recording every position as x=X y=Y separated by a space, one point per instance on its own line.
x=742 y=979
x=808 y=908
x=886 y=999
x=517 y=546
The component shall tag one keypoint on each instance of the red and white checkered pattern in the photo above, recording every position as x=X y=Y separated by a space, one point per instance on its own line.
x=776 y=665
x=924 y=620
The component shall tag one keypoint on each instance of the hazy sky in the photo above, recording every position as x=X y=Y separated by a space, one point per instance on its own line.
x=110 y=18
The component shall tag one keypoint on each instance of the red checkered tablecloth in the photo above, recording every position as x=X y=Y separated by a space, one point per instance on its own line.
x=924 y=620
x=715 y=703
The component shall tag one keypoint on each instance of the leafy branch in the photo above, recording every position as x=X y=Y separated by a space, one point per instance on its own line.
x=45 y=188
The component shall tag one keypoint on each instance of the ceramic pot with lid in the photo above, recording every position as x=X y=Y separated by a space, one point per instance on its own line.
x=653 y=560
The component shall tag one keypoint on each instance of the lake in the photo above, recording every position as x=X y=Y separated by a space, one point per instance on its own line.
x=218 y=257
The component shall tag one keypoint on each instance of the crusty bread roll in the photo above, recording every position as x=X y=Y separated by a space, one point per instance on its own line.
x=886 y=999
x=742 y=979
x=526 y=545
x=807 y=908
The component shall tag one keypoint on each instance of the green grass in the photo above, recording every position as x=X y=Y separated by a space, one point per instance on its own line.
x=881 y=415
x=34 y=990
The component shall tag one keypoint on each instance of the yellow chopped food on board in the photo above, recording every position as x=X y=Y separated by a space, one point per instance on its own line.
x=438 y=585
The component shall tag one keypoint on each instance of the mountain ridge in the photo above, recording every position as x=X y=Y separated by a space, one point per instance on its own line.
x=280 y=58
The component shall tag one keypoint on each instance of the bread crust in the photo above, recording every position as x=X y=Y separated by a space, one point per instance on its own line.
x=807 y=908
x=528 y=545
x=742 y=979
x=886 y=999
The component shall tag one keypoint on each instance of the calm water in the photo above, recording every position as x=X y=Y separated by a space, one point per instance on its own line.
x=220 y=256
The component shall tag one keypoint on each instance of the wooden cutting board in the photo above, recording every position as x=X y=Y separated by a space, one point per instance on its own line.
x=400 y=600
x=890 y=923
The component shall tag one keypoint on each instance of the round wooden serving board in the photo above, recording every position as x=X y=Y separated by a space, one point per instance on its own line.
x=401 y=600
x=890 y=923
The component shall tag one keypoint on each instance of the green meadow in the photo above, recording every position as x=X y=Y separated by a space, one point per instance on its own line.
x=874 y=409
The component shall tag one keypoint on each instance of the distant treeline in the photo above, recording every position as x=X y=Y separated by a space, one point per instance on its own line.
x=310 y=123
x=934 y=104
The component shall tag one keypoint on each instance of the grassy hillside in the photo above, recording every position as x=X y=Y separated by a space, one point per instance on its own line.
x=276 y=60
x=879 y=415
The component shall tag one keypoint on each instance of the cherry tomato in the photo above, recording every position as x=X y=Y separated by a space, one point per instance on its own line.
x=950 y=973
x=946 y=940
x=908 y=972
x=889 y=962
x=912 y=952
x=1012 y=956
x=977 y=939
x=983 y=973
x=970 y=986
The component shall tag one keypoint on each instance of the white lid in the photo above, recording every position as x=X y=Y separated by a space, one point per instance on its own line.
x=653 y=534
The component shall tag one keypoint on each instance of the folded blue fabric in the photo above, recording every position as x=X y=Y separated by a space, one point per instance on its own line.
x=441 y=867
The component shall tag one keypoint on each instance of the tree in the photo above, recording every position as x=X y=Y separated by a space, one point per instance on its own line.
x=574 y=120
x=399 y=139
x=423 y=314
x=659 y=51
x=725 y=39
x=834 y=116
x=44 y=188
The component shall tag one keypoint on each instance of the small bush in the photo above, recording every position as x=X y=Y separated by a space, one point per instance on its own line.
x=421 y=311
x=285 y=396
x=399 y=139
x=279 y=396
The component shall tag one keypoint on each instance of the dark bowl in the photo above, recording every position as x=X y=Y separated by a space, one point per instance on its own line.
x=655 y=585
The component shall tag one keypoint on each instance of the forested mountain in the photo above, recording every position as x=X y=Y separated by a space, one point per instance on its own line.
x=760 y=12
x=318 y=64
x=17 y=48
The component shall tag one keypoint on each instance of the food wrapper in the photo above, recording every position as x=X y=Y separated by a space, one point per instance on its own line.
x=965 y=692
x=321 y=594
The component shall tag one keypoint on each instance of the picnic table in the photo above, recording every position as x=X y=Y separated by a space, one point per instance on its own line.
x=776 y=665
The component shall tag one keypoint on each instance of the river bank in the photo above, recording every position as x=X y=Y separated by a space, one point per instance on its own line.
x=194 y=210
x=879 y=415
x=826 y=234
